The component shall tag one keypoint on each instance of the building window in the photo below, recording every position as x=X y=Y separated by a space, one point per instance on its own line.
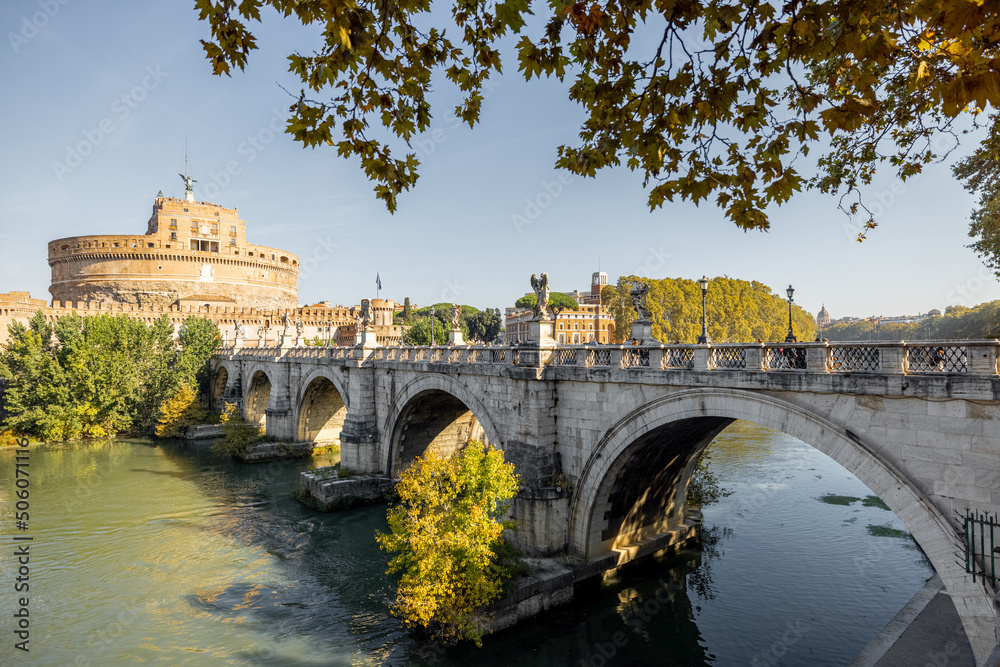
x=232 y=230
x=215 y=228
x=173 y=236
x=232 y=241
x=203 y=245
x=173 y=223
x=185 y=210
x=194 y=225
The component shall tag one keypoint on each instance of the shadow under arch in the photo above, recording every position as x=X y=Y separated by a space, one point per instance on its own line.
x=433 y=409
x=219 y=386
x=257 y=398
x=322 y=409
x=684 y=424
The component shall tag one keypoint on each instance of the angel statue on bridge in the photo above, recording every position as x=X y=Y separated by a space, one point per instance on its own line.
x=541 y=287
x=456 y=313
x=638 y=294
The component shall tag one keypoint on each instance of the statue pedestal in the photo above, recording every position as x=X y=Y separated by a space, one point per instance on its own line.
x=237 y=343
x=455 y=337
x=643 y=330
x=287 y=341
x=540 y=332
x=367 y=339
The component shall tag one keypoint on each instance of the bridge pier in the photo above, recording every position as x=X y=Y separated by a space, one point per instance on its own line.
x=359 y=439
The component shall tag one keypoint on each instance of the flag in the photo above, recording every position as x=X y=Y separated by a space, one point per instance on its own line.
x=378 y=281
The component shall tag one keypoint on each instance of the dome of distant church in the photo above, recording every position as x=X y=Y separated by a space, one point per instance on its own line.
x=192 y=254
x=823 y=319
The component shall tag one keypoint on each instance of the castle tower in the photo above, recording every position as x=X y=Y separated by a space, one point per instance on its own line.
x=598 y=281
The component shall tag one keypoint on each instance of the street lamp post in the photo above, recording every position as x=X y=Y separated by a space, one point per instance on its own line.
x=790 y=338
x=703 y=338
x=432 y=325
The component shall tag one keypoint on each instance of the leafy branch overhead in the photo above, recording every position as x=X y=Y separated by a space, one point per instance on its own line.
x=731 y=94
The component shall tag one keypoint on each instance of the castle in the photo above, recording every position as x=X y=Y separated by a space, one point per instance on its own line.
x=194 y=259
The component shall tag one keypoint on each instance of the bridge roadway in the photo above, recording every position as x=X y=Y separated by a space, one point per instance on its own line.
x=605 y=438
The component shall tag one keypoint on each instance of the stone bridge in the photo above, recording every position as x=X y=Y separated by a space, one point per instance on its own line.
x=605 y=438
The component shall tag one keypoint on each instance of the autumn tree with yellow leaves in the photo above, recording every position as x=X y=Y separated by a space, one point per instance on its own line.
x=447 y=536
x=739 y=311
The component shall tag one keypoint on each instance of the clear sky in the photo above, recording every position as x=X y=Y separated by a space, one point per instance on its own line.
x=99 y=97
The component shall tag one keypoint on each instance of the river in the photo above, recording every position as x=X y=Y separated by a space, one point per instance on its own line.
x=158 y=552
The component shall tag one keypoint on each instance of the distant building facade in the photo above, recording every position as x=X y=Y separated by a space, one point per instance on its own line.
x=588 y=324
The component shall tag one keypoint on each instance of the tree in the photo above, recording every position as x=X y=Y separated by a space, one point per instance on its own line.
x=980 y=173
x=420 y=333
x=97 y=376
x=730 y=97
x=556 y=300
x=407 y=312
x=738 y=311
x=484 y=326
x=958 y=322
x=446 y=533
x=38 y=400
x=180 y=411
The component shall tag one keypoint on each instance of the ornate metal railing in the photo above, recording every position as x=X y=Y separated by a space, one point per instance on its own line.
x=728 y=357
x=635 y=357
x=936 y=359
x=677 y=357
x=784 y=358
x=600 y=356
x=923 y=357
x=567 y=357
x=864 y=358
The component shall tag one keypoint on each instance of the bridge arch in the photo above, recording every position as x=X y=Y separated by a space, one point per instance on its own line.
x=433 y=407
x=322 y=407
x=258 y=396
x=660 y=443
x=220 y=386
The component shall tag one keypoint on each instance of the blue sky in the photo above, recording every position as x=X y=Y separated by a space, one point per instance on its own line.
x=125 y=83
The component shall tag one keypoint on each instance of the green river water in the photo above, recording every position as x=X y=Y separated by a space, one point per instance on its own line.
x=160 y=553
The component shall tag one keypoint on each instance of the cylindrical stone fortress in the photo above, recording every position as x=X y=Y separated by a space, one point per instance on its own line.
x=192 y=254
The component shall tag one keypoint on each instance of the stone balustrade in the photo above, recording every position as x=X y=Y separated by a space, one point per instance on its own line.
x=968 y=357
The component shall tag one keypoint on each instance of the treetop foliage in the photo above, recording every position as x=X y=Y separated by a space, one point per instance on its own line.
x=556 y=300
x=733 y=93
x=738 y=311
